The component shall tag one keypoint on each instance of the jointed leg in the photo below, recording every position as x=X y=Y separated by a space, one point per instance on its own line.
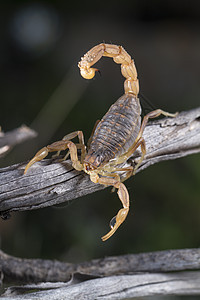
x=60 y=146
x=138 y=143
x=141 y=143
x=140 y=140
x=128 y=170
x=153 y=114
x=81 y=144
x=121 y=159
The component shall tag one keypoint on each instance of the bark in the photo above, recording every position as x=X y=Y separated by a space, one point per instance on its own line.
x=119 y=277
x=16 y=136
x=51 y=182
x=37 y=270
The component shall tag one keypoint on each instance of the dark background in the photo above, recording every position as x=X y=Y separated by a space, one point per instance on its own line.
x=41 y=44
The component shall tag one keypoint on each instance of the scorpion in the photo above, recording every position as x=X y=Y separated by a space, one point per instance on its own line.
x=114 y=138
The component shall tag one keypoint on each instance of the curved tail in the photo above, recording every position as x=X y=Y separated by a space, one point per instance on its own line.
x=120 y=56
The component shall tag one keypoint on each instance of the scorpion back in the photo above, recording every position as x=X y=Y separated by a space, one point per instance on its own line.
x=116 y=132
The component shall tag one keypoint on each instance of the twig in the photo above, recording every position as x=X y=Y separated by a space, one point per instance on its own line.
x=50 y=182
x=9 y=139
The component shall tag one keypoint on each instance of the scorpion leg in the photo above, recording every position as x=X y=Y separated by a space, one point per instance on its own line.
x=121 y=159
x=140 y=140
x=122 y=213
x=60 y=146
x=138 y=143
x=153 y=114
x=81 y=144
x=128 y=170
x=128 y=173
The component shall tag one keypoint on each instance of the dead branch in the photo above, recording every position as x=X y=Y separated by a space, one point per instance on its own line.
x=112 y=288
x=121 y=277
x=23 y=270
x=50 y=182
x=11 y=138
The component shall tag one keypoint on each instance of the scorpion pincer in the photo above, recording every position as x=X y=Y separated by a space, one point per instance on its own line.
x=115 y=138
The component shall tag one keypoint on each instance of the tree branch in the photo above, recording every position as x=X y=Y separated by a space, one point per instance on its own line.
x=16 y=136
x=117 y=277
x=37 y=270
x=50 y=182
x=112 y=288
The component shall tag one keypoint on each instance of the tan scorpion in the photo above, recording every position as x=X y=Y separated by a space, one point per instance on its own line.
x=114 y=138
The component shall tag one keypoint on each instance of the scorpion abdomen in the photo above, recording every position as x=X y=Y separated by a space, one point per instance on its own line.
x=116 y=132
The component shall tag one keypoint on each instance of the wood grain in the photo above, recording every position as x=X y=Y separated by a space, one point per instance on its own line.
x=51 y=182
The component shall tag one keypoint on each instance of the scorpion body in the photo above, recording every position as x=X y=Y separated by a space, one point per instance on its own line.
x=115 y=138
x=116 y=132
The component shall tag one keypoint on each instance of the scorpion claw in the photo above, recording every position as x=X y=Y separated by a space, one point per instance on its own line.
x=39 y=156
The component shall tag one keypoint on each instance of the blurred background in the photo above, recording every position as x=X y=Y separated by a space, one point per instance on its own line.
x=40 y=86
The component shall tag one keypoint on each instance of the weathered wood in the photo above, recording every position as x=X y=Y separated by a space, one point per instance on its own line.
x=16 y=136
x=121 y=277
x=37 y=270
x=50 y=182
x=116 y=287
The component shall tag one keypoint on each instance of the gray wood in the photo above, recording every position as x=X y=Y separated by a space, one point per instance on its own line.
x=16 y=136
x=51 y=182
x=37 y=270
x=122 y=287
